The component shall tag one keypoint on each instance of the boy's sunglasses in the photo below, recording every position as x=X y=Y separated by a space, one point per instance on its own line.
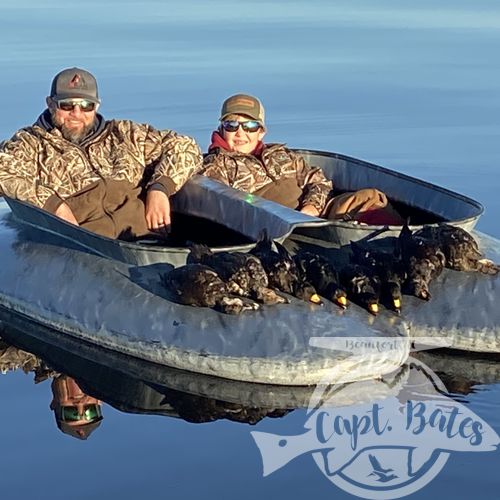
x=90 y=412
x=69 y=104
x=248 y=126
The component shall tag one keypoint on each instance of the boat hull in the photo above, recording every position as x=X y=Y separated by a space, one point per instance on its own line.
x=108 y=293
x=124 y=308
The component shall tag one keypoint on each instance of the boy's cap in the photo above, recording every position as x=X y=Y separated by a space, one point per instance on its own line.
x=242 y=104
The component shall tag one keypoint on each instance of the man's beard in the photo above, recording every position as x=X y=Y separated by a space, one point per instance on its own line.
x=76 y=136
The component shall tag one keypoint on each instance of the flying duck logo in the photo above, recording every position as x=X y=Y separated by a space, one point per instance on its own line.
x=388 y=447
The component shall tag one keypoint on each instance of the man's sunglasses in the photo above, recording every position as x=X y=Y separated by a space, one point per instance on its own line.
x=69 y=104
x=71 y=414
x=248 y=126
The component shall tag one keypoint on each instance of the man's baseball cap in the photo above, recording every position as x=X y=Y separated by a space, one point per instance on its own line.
x=74 y=82
x=243 y=104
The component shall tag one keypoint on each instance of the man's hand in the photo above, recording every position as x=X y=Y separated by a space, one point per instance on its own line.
x=64 y=212
x=157 y=211
x=310 y=210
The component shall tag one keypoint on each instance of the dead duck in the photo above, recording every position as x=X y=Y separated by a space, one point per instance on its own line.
x=459 y=247
x=362 y=286
x=387 y=266
x=306 y=292
x=423 y=261
x=321 y=273
x=242 y=272
x=199 y=285
x=282 y=271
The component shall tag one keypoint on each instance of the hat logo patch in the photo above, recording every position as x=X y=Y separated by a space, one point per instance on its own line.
x=244 y=102
x=76 y=82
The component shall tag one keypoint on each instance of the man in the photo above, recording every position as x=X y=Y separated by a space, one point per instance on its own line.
x=238 y=157
x=112 y=177
x=77 y=414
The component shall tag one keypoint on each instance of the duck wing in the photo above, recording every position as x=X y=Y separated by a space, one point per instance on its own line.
x=319 y=272
x=258 y=282
x=460 y=248
x=423 y=260
x=231 y=267
x=387 y=266
x=195 y=284
x=278 y=265
x=199 y=285
x=361 y=285
x=224 y=263
x=198 y=253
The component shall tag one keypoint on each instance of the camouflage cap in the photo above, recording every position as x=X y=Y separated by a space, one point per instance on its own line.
x=74 y=82
x=243 y=104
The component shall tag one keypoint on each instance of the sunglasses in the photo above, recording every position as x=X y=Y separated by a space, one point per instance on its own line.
x=248 y=126
x=71 y=414
x=69 y=104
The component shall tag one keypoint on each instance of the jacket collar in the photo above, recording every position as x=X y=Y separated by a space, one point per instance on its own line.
x=44 y=121
x=218 y=143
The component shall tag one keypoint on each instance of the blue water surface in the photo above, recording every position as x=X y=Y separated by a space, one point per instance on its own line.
x=412 y=86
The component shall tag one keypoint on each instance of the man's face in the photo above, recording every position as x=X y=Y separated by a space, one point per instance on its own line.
x=242 y=140
x=72 y=405
x=74 y=122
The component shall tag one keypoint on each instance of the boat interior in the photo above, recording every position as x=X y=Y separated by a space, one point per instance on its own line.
x=209 y=212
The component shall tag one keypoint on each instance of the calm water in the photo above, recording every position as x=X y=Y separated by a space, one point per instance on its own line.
x=408 y=85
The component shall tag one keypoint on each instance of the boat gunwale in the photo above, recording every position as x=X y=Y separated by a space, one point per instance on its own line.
x=398 y=175
x=126 y=244
x=103 y=246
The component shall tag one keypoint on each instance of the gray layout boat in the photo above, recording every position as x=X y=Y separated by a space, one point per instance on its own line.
x=123 y=307
x=108 y=293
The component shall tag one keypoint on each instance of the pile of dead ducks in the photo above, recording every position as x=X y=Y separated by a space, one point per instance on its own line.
x=233 y=282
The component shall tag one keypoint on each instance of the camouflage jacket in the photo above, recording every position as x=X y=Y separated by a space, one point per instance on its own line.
x=39 y=166
x=249 y=173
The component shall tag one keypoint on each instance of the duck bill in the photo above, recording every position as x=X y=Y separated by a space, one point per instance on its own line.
x=373 y=309
x=397 y=305
x=341 y=301
x=316 y=299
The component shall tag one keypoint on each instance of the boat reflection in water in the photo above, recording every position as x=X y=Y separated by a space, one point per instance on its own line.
x=84 y=375
x=461 y=372
x=79 y=386
x=76 y=413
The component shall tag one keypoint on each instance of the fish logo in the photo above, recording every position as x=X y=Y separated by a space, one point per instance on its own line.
x=389 y=447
